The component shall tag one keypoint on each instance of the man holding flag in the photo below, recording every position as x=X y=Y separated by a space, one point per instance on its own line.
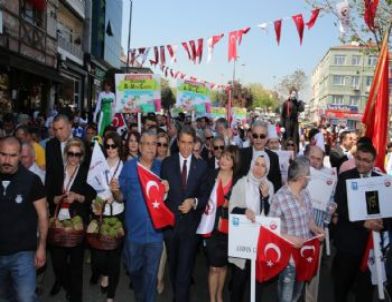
x=145 y=213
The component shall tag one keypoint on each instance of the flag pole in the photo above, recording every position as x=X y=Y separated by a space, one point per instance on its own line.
x=379 y=263
x=327 y=242
x=253 y=280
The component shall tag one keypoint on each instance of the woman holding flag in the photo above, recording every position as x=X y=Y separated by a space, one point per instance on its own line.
x=214 y=222
x=250 y=196
x=107 y=263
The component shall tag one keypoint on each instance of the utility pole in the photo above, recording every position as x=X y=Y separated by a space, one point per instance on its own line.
x=129 y=33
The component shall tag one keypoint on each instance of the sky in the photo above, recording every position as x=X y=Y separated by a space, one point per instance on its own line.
x=260 y=60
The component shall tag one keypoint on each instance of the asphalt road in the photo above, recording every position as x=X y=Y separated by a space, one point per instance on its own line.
x=199 y=291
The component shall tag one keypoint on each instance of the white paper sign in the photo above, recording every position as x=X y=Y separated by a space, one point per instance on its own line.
x=284 y=162
x=321 y=186
x=369 y=198
x=243 y=234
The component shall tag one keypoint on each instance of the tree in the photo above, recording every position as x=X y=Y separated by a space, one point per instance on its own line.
x=295 y=80
x=263 y=98
x=358 y=30
x=168 y=97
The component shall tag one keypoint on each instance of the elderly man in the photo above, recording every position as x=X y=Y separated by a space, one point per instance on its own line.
x=25 y=135
x=27 y=159
x=206 y=153
x=293 y=206
x=351 y=237
x=143 y=243
x=316 y=158
x=22 y=212
x=259 y=139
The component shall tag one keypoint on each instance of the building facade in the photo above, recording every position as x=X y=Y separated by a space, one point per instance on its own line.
x=28 y=55
x=51 y=53
x=341 y=83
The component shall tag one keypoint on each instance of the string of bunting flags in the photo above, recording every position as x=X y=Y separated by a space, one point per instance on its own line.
x=194 y=48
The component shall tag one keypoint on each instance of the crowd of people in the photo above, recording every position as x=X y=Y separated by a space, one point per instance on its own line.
x=44 y=164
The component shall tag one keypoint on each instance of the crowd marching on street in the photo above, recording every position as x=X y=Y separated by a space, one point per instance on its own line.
x=166 y=192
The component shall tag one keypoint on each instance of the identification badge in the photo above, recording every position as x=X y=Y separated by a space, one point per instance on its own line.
x=18 y=198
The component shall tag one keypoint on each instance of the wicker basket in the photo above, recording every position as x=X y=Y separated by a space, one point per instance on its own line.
x=100 y=242
x=63 y=238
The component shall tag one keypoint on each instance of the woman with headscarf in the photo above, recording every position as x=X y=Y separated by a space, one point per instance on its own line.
x=250 y=196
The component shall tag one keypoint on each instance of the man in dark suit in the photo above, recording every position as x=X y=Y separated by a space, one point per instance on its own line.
x=351 y=237
x=187 y=199
x=218 y=146
x=341 y=152
x=62 y=129
x=259 y=139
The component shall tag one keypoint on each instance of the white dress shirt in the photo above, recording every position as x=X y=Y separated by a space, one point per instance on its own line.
x=38 y=171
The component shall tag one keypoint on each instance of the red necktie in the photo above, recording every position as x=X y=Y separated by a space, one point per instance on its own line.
x=183 y=174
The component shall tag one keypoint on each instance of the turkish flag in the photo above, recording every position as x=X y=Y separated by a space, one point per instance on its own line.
x=119 y=123
x=307 y=259
x=376 y=114
x=153 y=191
x=278 y=29
x=273 y=254
x=234 y=37
x=299 y=23
x=313 y=18
x=370 y=13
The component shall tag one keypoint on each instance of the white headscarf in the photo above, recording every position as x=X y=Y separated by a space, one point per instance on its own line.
x=253 y=185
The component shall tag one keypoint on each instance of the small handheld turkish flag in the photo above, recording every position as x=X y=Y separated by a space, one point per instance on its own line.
x=154 y=191
x=273 y=254
x=307 y=259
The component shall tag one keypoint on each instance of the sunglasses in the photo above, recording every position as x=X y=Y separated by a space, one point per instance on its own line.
x=74 y=154
x=110 y=146
x=260 y=136
x=162 y=145
x=219 y=147
x=290 y=145
x=209 y=137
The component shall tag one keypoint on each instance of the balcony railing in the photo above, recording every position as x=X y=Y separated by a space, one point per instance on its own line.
x=72 y=48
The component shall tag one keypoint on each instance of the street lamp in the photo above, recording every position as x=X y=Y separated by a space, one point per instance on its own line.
x=129 y=33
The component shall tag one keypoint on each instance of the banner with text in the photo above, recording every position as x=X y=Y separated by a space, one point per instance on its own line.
x=138 y=93
x=193 y=96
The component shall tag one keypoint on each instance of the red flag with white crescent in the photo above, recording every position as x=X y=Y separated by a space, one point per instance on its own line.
x=154 y=191
x=365 y=256
x=307 y=259
x=273 y=254
x=119 y=123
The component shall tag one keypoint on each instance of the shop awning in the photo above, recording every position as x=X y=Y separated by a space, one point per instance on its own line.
x=30 y=66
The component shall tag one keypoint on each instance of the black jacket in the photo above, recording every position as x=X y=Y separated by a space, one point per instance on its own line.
x=350 y=237
x=274 y=175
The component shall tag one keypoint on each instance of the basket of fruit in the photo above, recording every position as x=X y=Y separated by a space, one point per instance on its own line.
x=65 y=233
x=105 y=233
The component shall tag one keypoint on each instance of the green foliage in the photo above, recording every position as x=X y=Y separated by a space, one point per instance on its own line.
x=358 y=30
x=263 y=98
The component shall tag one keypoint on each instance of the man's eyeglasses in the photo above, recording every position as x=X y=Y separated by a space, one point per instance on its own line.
x=162 y=145
x=110 y=146
x=290 y=145
x=260 y=136
x=219 y=147
x=74 y=154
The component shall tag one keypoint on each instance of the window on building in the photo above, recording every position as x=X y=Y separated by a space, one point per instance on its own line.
x=337 y=100
x=338 y=80
x=354 y=100
x=356 y=60
x=340 y=59
x=369 y=81
x=372 y=60
x=355 y=82
x=32 y=14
